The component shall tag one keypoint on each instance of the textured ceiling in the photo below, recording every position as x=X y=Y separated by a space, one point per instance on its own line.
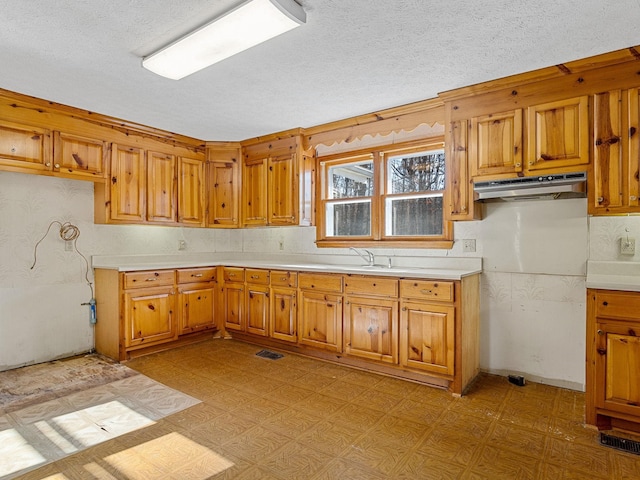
x=351 y=57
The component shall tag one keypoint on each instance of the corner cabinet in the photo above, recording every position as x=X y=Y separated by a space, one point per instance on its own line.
x=223 y=185
x=613 y=359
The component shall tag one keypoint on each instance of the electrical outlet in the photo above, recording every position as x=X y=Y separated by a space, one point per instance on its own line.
x=627 y=246
x=469 y=245
x=68 y=245
x=182 y=244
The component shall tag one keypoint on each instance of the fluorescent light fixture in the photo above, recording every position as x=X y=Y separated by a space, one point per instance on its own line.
x=250 y=23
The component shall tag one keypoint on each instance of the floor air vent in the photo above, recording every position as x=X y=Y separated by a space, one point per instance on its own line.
x=268 y=354
x=623 y=444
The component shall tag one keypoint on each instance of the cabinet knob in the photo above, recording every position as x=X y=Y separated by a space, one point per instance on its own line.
x=518 y=164
x=48 y=164
x=151 y=279
x=57 y=165
x=600 y=332
x=600 y=199
x=196 y=275
x=633 y=198
x=426 y=292
x=463 y=208
x=255 y=276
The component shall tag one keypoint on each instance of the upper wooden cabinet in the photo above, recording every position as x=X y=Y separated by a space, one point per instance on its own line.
x=149 y=186
x=24 y=147
x=78 y=156
x=558 y=134
x=277 y=183
x=223 y=185
x=614 y=181
x=495 y=144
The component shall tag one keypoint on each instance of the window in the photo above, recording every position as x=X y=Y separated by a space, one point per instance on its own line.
x=389 y=195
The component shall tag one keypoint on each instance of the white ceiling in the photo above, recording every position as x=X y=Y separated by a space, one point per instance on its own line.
x=351 y=57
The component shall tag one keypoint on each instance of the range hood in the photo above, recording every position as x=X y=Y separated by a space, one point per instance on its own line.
x=564 y=185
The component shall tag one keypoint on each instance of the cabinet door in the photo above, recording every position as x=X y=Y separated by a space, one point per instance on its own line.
x=190 y=191
x=321 y=320
x=254 y=192
x=223 y=177
x=149 y=316
x=282 y=190
x=233 y=306
x=78 y=156
x=371 y=328
x=495 y=146
x=427 y=337
x=283 y=314
x=607 y=192
x=128 y=184
x=25 y=147
x=161 y=187
x=258 y=310
x=459 y=191
x=197 y=307
x=617 y=365
x=558 y=134
x=632 y=157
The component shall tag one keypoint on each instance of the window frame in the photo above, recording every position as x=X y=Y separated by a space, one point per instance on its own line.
x=377 y=237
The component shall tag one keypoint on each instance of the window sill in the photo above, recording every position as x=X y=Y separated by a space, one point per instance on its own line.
x=426 y=244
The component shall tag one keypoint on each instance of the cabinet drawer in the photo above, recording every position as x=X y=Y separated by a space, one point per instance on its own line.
x=193 y=275
x=618 y=304
x=427 y=289
x=365 y=285
x=319 y=281
x=150 y=278
x=257 y=277
x=232 y=274
x=284 y=279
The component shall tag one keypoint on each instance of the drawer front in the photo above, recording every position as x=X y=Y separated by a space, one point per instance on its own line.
x=319 y=281
x=284 y=279
x=257 y=277
x=365 y=285
x=193 y=275
x=427 y=290
x=233 y=274
x=618 y=305
x=150 y=278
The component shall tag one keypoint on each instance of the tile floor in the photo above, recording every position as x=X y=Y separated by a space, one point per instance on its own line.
x=298 y=418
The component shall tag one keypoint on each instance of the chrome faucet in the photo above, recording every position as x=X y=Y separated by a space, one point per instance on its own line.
x=369 y=257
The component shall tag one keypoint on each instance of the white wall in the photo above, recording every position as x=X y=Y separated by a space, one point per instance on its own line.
x=532 y=322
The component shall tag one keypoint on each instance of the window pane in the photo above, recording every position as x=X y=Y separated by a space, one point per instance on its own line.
x=414 y=216
x=351 y=180
x=419 y=172
x=349 y=219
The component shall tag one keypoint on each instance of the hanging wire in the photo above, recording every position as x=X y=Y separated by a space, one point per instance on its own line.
x=69 y=233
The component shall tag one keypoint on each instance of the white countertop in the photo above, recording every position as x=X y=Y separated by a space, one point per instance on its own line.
x=613 y=275
x=444 y=268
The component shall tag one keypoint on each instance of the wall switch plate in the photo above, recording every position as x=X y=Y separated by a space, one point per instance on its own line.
x=68 y=245
x=182 y=244
x=469 y=245
x=281 y=245
x=627 y=246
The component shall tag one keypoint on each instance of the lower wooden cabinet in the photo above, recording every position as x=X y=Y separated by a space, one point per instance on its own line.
x=144 y=311
x=233 y=303
x=371 y=328
x=320 y=311
x=257 y=302
x=613 y=359
x=284 y=306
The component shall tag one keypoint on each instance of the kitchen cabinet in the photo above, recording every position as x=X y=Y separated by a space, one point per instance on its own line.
x=257 y=301
x=614 y=181
x=613 y=359
x=149 y=308
x=496 y=144
x=140 y=312
x=152 y=186
x=427 y=326
x=370 y=319
x=284 y=306
x=277 y=182
x=191 y=183
x=161 y=188
x=320 y=311
x=197 y=299
x=233 y=299
x=223 y=185
x=458 y=196
x=79 y=157
x=25 y=147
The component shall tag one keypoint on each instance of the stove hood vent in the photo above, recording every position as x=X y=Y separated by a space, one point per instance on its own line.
x=564 y=185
